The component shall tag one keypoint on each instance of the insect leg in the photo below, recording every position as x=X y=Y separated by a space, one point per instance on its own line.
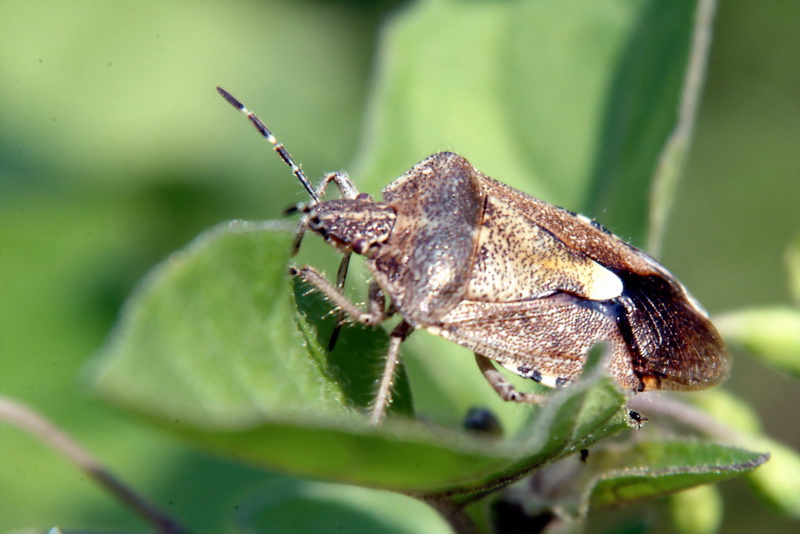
x=340 y=278
x=347 y=189
x=346 y=186
x=384 y=396
x=503 y=387
x=377 y=301
x=374 y=315
x=298 y=237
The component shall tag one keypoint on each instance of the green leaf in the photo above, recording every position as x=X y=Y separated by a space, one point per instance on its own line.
x=356 y=361
x=772 y=334
x=697 y=511
x=793 y=266
x=207 y=348
x=630 y=470
x=399 y=455
x=654 y=469
x=573 y=103
x=296 y=506
x=210 y=338
x=574 y=418
x=416 y=458
x=570 y=102
x=778 y=482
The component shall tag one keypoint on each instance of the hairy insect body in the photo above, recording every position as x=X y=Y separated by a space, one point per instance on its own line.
x=532 y=286
x=518 y=281
x=426 y=267
x=668 y=337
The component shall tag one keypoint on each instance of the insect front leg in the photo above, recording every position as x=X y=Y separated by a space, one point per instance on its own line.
x=375 y=313
x=346 y=186
x=503 y=387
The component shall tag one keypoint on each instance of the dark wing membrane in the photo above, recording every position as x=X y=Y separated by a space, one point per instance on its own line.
x=673 y=346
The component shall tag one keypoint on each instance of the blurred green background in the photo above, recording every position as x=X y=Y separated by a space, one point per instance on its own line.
x=115 y=150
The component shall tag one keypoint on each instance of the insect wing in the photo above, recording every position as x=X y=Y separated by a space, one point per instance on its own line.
x=671 y=342
x=546 y=339
x=518 y=259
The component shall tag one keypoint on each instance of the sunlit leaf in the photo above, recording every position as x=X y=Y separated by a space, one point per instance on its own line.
x=653 y=469
x=285 y=507
x=211 y=338
x=772 y=334
x=793 y=266
x=697 y=511
x=778 y=482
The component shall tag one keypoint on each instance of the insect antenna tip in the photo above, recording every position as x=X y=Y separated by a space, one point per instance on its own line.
x=229 y=98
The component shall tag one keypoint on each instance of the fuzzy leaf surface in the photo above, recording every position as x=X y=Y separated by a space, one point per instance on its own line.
x=653 y=469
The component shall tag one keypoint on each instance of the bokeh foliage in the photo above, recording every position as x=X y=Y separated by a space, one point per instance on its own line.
x=112 y=158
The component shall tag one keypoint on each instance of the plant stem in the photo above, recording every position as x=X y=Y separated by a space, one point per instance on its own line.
x=453 y=513
x=686 y=415
x=24 y=417
x=673 y=155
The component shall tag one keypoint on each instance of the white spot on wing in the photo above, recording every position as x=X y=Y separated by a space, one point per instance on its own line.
x=549 y=381
x=605 y=284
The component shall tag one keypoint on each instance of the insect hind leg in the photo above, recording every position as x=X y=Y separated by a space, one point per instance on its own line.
x=503 y=387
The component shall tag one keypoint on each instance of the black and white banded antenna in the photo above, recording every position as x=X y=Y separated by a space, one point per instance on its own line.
x=278 y=147
x=298 y=172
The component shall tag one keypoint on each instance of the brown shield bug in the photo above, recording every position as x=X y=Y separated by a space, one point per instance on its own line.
x=516 y=280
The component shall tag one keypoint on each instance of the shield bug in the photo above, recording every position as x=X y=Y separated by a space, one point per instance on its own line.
x=520 y=282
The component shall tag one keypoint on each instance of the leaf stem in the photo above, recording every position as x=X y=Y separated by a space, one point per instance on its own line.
x=672 y=157
x=453 y=513
x=686 y=415
x=26 y=418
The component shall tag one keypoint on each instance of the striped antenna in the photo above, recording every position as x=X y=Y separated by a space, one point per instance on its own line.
x=278 y=147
